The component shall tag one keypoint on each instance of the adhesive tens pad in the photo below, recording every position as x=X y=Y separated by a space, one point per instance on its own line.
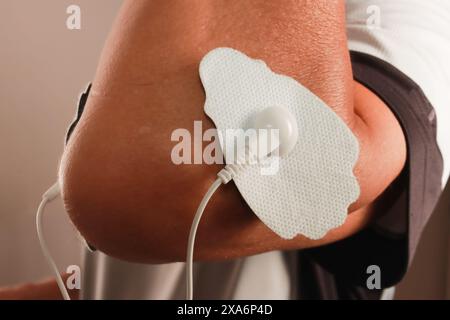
x=314 y=185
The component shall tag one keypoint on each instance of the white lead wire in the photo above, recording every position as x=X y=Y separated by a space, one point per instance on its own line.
x=44 y=248
x=192 y=233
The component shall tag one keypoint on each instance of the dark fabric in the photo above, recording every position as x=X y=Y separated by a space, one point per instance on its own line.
x=80 y=108
x=339 y=270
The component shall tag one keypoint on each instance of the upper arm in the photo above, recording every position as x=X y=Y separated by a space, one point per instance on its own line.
x=120 y=186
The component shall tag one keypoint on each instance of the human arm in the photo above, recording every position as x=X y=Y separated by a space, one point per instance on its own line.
x=119 y=185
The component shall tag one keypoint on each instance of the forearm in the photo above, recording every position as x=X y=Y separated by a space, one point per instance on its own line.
x=119 y=184
x=43 y=290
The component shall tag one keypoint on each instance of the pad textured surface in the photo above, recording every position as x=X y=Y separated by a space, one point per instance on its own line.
x=315 y=185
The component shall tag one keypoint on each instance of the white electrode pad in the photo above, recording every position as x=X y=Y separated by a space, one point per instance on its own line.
x=314 y=185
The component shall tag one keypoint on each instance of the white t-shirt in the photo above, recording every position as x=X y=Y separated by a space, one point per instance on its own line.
x=413 y=36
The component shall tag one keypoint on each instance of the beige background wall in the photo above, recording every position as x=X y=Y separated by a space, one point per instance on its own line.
x=43 y=67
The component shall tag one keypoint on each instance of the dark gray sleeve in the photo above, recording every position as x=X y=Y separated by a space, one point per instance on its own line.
x=406 y=206
x=80 y=108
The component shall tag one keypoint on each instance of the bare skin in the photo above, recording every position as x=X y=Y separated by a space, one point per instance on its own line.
x=44 y=290
x=120 y=186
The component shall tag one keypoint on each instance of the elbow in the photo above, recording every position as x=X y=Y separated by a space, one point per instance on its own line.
x=103 y=213
x=119 y=204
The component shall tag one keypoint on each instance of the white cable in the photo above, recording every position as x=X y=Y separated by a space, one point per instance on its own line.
x=269 y=118
x=192 y=233
x=225 y=175
x=47 y=197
